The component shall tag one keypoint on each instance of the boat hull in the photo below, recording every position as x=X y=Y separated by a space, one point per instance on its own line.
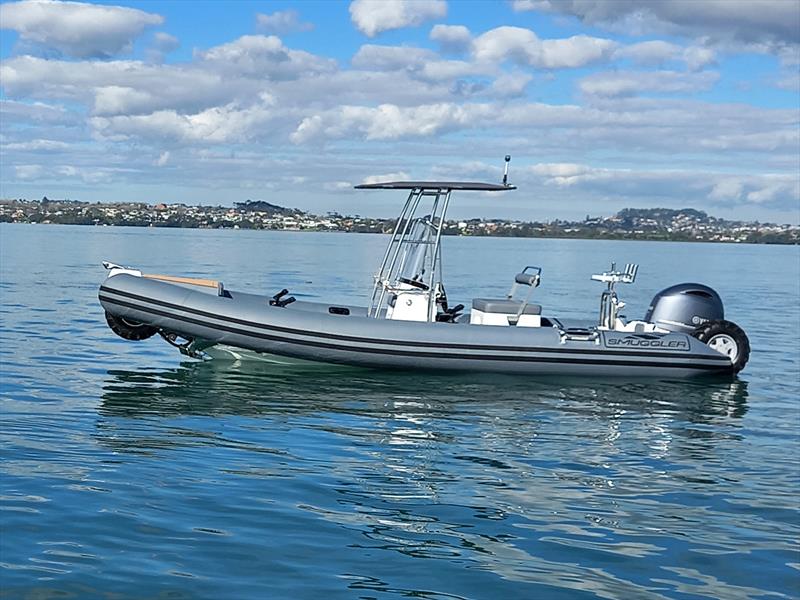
x=310 y=332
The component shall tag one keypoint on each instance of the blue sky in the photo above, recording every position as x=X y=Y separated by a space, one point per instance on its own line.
x=603 y=104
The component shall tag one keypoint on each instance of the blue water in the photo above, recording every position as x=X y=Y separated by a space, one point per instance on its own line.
x=128 y=472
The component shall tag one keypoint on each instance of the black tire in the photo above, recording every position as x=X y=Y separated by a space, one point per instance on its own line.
x=728 y=339
x=129 y=330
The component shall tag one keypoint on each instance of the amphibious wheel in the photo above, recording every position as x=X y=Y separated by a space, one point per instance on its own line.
x=726 y=338
x=130 y=330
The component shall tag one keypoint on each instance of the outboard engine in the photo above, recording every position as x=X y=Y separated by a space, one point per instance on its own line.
x=684 y=307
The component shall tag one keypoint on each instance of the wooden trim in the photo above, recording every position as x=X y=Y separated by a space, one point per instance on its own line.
x=188 y=280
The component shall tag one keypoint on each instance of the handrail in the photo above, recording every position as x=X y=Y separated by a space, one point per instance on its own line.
x=436 y=255
x=380 y=273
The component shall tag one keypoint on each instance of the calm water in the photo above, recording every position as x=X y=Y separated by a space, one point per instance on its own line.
x=128 y=472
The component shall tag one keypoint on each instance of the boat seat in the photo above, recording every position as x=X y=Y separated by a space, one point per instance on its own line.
x=504 y=306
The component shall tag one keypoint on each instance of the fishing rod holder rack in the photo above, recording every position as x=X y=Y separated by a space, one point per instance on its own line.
x=610 y=304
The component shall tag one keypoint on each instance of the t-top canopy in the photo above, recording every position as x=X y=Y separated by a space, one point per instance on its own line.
x=436 y=185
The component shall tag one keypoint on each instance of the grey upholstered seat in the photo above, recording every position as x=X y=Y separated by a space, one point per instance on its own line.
x=503 y=306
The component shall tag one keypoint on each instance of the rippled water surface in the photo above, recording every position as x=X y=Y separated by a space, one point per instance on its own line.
x=128 y=472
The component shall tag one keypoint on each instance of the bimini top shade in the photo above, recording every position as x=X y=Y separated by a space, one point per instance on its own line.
x=436 y=185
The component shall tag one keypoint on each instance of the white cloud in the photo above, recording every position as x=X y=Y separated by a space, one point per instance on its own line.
x=559 y=173
x=282 y=21
x=447 y=70
x=790 y=56
x=629 y=83
x=309 y=128
x=239 y=70
x=116 y=99
x=768 y=140
x=361 y=87
x=391 y=58
x=28 y=171
x=394 y=176
x=771 y=21
x=576 y=51
x=394 y=98
x=652 y=53
x=658 y=52
x=115 y=86
x=225 y=124
x=789 y=81
x=165 y=42
x=524 y=46
x=503 y=43
x=770 y=192
x=39 y=145
x=371 y=17
x=419 y=63
x=451 y=38
x=89 y=174
x=162 y=44
x=33 y=112
x=391 y=122
x=523 y=5
x=511 y=85
x=690 y=187
x=337 y=186
x=162 y=159
x=623 y=124
x=385 y=122
x=77 y=29
x=264 y=56
x=697 y=57
x=727 y=189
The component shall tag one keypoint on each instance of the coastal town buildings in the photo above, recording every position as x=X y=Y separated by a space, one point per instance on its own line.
x=656 y=223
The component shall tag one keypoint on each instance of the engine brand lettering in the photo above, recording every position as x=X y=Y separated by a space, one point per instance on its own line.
x=639 y=342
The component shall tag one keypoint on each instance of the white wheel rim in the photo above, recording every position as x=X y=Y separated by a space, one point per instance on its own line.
x=725 y=344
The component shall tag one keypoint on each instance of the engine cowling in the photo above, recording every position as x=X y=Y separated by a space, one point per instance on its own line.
x=684 y=307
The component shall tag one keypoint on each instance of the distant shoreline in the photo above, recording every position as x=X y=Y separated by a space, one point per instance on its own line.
x=644 y=224
x=628 y=237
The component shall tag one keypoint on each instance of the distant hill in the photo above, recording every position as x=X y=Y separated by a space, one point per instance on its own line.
x=686 y=224
x=662 y=214
x=265 y=207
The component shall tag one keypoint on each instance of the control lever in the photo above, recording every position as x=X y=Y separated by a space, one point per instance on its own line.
x=279 y=301
x=455 y=310
x=450 y=314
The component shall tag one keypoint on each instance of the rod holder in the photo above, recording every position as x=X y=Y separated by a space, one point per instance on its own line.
x=505 y=172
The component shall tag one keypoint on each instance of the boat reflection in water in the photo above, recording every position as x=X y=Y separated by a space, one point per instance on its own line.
x=547 y=481
x=397 y=408
x=445 y=415
x=252 y=388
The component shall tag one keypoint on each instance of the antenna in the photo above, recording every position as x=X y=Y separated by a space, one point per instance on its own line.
x=505 y=173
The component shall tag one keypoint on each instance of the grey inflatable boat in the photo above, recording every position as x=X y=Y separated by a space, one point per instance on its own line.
x=409 y=324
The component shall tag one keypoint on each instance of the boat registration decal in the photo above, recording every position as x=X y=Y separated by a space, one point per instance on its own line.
x=646 y=340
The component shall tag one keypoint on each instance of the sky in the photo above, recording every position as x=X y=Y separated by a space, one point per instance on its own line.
x=602 y=104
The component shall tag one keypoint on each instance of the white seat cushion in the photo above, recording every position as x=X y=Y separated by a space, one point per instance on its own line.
x=503 y=306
